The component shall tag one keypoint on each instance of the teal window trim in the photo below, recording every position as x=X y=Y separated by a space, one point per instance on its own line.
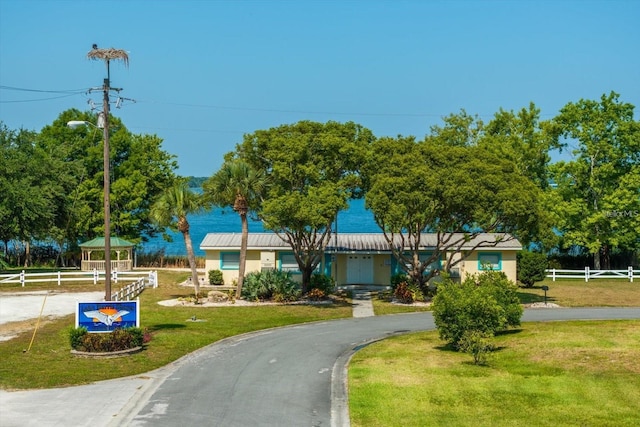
x=494 y=266
x=328 y=264
x=281 y=255
x=229 y=265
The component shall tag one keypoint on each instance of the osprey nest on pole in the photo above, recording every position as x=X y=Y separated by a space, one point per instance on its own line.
x=108 y=54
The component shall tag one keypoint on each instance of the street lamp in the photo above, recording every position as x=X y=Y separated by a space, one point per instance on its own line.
x=103 y=124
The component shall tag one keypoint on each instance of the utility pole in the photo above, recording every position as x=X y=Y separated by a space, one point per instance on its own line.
x=107 y=55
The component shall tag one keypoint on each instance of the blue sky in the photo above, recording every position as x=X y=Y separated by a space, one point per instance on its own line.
x=204 y=73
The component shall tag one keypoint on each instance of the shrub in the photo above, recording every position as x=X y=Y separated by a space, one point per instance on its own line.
x=215 y=277
x=76 y=336
x=316 y=294
x=486 y=303
x=117 y=340
x=402 y=293
x=322 y=282
x=284 y=289
x=270 y=285
x=476 y=344
x=398 y=278
x=407 y=293
x=531 y=267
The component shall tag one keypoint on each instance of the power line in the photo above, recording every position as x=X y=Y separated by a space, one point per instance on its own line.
x=21 y=89
x=65 y=94
x=224 y=107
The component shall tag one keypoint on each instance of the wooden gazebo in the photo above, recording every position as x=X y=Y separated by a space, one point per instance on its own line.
x=122 y=248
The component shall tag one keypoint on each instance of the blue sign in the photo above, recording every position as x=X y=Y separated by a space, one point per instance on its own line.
x=107 y=316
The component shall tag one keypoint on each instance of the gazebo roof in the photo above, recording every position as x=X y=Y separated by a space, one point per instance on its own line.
x=98 y=243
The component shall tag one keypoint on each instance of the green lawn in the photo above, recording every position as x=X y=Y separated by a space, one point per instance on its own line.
x=49 y=363
x=557 y=373
x=578 y=293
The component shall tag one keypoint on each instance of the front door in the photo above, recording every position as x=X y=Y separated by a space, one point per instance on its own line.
x=360 y=269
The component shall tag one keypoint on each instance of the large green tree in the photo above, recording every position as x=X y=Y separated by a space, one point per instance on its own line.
x=456 y=192
x=241 y=187
x=313 y=169
x=597 y=198
x=522 y=138
x=171 y=209
x=30 y=184
x=140 y=171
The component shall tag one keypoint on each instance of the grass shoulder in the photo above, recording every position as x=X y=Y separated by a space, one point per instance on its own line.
x=557 y=373
x=49 y=362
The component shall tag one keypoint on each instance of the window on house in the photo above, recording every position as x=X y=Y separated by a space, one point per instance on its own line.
x=424 y=256
x=288 y=263
x=229 y=260
x=490 y=261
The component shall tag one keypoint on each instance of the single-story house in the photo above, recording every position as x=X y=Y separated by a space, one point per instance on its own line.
x=354 y=258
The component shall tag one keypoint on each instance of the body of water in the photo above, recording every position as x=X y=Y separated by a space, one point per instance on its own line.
x=354 y=220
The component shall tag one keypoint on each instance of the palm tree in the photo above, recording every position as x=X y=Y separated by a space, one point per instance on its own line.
x=171 y=210
x=239 y=186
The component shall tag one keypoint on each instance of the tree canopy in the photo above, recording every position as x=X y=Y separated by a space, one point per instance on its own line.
x=465 y=177
x=313 y=170
x=241 y=187
x=54 y=181
x=457 y=193
x=597 y=198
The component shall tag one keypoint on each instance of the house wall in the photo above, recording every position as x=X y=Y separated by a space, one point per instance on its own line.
x=257 y=260
x=382 y=265
x=473 y=265
x=230 y=276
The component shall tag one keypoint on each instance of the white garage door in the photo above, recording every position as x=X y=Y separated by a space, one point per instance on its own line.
x=360 y=269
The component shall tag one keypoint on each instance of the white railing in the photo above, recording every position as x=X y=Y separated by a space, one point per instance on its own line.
x=122 y=264
x=588 y=274
x=150 y=278
x=129 y=292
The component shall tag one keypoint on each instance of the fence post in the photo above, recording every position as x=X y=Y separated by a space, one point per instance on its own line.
x=22 y=278
x=586 y=274
x=631 y=274
x=95 y=276
x=553 y=275
x=114 y=275
x=59 y=278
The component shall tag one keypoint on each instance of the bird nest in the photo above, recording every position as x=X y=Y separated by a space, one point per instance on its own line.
x=109 y=54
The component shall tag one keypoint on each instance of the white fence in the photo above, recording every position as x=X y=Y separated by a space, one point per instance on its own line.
x=129 y=292
x=149 y=278
x=588 y=274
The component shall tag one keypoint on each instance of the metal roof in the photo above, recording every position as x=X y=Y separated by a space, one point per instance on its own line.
x=116 y=242
x=353 y=242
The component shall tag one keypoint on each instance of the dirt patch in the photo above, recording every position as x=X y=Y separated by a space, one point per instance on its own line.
x=13 y=329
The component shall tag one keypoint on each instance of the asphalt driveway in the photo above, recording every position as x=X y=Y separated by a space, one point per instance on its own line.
x=292 y=376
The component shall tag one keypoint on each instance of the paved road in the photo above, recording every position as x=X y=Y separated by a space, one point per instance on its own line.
x=291 y=376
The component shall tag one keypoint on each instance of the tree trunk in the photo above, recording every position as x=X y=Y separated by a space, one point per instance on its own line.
x=596 y=260
x=307 y=272
x=606 y=257
x=27 y=253
x=243 y=253
x=192 y=263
